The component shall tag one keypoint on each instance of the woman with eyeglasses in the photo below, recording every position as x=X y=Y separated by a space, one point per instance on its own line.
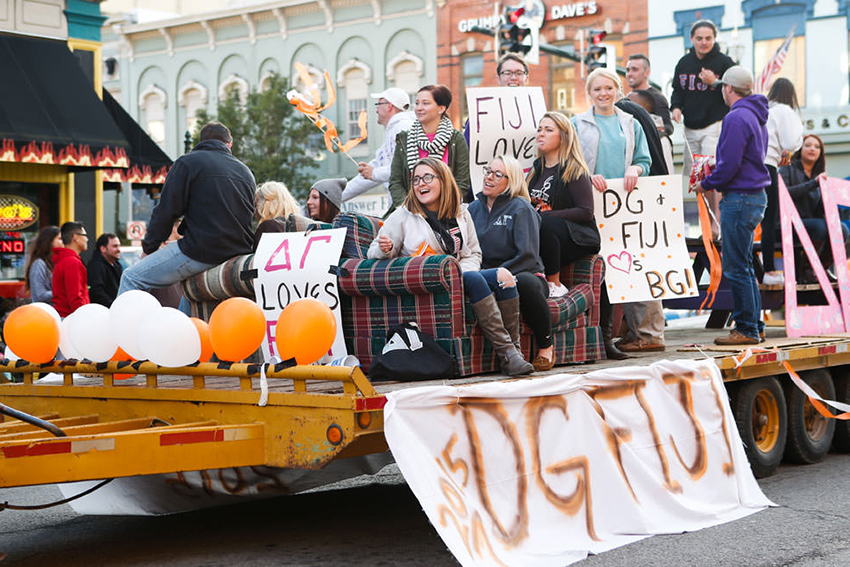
x=432 y=220
x=431 y=134
x=508 y=230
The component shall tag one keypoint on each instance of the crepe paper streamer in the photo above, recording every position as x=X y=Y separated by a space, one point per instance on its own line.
x=310 y=105
x=715 y=264
x=815 y=399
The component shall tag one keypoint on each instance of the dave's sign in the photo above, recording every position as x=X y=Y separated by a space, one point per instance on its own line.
x=643 y=240
x=292 y=266
x=502 y=120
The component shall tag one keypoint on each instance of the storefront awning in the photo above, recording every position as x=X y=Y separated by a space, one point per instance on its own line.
x=148 y=163
x=49 y=112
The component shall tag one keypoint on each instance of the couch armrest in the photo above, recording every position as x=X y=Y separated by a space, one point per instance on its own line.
x=588 y=270
x=399 y=276
x=221 y=282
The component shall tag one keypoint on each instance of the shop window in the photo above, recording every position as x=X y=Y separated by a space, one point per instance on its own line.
x=794 y=67
x=472 y=69
x=234 y=84
x=563 y=81
x=152 y=102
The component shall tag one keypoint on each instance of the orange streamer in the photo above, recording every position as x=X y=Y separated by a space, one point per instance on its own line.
x=818 y=405
x=716 y=270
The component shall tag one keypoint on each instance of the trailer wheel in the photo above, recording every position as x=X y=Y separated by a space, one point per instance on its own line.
x=841 y=379
x=761 y=417
x=809 y=433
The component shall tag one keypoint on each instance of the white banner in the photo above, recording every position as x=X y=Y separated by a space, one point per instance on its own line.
x=643 y=240
x=502 y=120
x=544 y=471
x=292 y=266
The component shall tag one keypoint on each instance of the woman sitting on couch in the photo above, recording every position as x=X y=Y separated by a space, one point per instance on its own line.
x=508 y=229
x=432 y=220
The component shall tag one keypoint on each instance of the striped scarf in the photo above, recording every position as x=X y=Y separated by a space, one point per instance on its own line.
x=417 y=140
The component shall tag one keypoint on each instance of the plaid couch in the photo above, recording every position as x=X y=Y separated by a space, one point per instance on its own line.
x=377 y=294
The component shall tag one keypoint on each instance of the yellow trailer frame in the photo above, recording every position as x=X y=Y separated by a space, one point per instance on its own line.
x=176 y=419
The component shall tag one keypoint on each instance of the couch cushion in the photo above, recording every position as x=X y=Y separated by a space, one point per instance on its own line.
x=399 y=276
x=362 y=230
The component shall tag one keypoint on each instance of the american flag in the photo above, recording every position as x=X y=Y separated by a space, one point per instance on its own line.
x=774 y=65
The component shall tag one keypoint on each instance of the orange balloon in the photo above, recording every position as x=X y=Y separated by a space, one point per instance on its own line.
x=121 y=355
x=206 y=343
x=237 y=328
x=305 y=331
x=32 y=334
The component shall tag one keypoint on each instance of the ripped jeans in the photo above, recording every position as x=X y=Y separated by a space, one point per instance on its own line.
x=481 y=283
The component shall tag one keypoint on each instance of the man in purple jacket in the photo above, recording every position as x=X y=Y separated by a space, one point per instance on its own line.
x=741 y=176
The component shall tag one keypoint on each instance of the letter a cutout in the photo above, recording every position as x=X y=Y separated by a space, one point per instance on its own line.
x=811 y=319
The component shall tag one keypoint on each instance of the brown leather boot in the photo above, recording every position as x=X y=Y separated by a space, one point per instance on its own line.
x=490 y=320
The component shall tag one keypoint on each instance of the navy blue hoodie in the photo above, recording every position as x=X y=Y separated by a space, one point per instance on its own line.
x=741 y=148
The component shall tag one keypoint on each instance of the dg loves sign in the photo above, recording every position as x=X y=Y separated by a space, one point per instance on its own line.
x=643 y=240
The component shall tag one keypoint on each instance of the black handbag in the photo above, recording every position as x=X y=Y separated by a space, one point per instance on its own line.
x=411 y=355
x=583 y=234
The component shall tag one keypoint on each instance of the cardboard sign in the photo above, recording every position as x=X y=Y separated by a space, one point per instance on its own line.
x=292 y=266
x=544 y=471
x=643 y=240
x=502 y=120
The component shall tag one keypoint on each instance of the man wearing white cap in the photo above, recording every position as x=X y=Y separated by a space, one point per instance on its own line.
x=391 y=107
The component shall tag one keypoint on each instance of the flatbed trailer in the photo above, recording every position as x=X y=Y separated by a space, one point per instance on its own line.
x=209 y=416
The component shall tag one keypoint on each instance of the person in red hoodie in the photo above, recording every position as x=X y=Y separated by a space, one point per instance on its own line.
x=70 y=281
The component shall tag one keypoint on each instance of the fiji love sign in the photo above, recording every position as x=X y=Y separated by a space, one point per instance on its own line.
x=643 y=240
x=502 y=120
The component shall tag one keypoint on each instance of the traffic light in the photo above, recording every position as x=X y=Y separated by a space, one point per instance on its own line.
x=600 y=54
x=510 y=36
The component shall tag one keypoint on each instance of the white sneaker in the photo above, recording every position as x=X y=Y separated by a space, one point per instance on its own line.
x=559 y=290
x=774 y=278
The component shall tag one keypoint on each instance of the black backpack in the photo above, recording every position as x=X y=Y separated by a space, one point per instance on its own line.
x=411 y=355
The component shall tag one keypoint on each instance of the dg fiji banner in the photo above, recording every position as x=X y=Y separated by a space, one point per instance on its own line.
x=544 y=471
x=291 y=266
x=643 y=240
x=502 y=120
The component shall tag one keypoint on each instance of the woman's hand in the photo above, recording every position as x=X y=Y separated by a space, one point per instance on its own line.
x=385 y=244
x=822 y=177
x=599 y=183
x=630 y=179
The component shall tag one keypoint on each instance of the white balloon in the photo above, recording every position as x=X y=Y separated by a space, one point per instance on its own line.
x=49 y=308
x=65 y=347
x=89 y=333
x=167 y=337
x=126 y=313
x=9 y=355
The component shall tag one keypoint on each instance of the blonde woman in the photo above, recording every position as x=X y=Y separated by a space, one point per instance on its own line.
x=432 y=220
x=273 y=207
x=614 y=146
x=508 y=230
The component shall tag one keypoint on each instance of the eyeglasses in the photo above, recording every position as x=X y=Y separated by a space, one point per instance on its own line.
x=380 y=103
x=497 y=175
x=509 y=74
x=426 y=179
x=82 y=234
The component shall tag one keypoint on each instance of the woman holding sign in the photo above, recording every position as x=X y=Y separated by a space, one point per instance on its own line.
x=508 y=229
x=432 y=220
x=431 y=134
x=614 y=147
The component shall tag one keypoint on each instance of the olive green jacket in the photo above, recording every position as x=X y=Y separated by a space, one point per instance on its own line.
x=400 y=173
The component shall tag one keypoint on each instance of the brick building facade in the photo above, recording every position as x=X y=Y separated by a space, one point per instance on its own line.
x=467 y=59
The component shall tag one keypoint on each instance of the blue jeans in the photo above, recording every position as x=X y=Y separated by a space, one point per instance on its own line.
x=482 y=283
x=740 y=213
x=161 y=269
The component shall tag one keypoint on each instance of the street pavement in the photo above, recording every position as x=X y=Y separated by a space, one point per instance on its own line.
x=381 y=523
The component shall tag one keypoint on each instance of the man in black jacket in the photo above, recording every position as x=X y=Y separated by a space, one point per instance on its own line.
x=104 y=270
x=697 y=98
x=214 y=193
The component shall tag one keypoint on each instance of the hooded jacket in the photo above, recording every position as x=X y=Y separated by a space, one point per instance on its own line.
x=214 y=193
x=70 y=284
x=741 y=148
x=700 y=104
x=509 y=233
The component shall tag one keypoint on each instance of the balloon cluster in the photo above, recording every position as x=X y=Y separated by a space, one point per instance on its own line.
x=137 y=327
